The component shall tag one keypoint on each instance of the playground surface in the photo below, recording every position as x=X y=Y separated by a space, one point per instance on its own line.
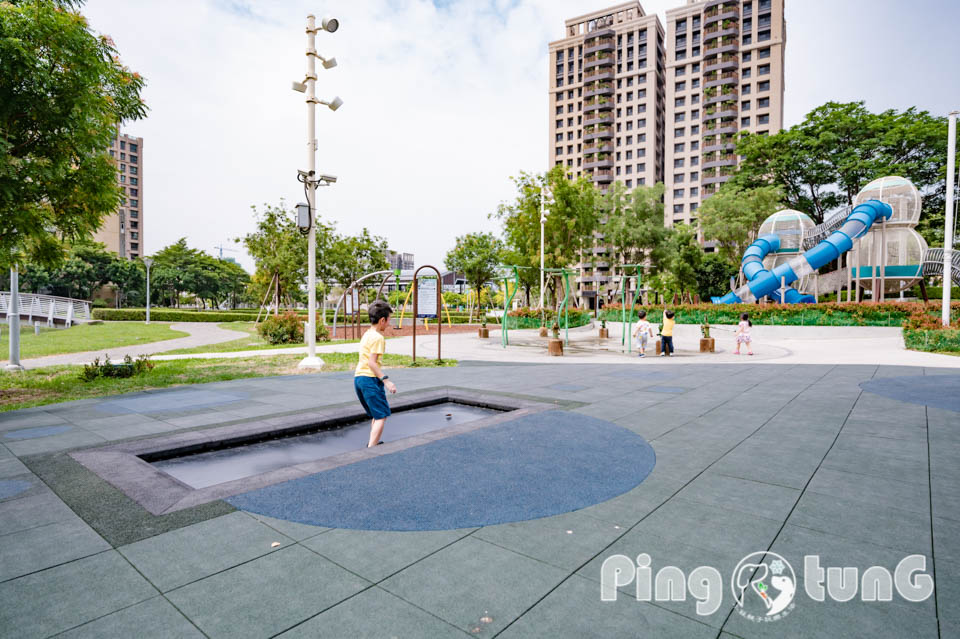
x=854 y=463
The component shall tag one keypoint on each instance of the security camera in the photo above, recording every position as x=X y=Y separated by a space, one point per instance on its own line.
x=335 y=104
x=330 y=24
x=305 y=174
x=299 y=86
x=328 y=178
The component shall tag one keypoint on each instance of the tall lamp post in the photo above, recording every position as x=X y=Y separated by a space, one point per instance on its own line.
x=948 y=222
x=543 y=223
x=148 y=262
x=308 y=177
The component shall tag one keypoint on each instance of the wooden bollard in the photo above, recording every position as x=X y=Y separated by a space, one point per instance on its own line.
x=707 y=345
x=555 y=347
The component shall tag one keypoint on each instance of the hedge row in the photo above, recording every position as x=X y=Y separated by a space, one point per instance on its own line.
x=886 y=314
x=521 y=319
x=166 y=315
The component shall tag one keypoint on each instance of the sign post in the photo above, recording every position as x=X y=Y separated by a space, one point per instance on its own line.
x=429 y=290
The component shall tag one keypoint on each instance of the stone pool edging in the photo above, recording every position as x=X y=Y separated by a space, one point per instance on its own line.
x=123 y=465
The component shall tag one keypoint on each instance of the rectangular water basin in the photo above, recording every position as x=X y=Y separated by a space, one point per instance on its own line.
x=238 y=460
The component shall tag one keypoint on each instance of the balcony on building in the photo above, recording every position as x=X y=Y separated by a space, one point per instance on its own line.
x=598 y=44
x=716 y=160
x=602 y=176
x=598 y=161
x=719 y=95
x=597 y=103
x=599 y=146
x=720 y=10
x=719 y=46
x=598 y=117
x=601 y=60
x=717 y=79
x=721 y=63
x=599 y=73
x=604 y=89
x=597 y=133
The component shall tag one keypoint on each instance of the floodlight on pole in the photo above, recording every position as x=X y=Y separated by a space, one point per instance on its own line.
x=308 y=85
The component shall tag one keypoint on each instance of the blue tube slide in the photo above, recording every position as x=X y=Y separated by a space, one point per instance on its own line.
x=762 y=282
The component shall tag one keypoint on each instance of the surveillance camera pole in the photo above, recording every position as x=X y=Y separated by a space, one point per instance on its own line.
x=311 y=360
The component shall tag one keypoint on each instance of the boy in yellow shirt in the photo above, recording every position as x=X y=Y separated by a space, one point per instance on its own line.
x=368 y=379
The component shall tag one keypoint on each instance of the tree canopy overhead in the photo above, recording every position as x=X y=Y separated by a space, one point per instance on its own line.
x=477 y=256
x=63 y=93
x=823 y=162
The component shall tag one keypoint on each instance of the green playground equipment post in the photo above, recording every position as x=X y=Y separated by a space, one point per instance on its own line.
x=627 y=320
x=565 y=304
x=507 y=300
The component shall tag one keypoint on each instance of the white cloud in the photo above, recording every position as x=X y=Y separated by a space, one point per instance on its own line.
x=441 y=106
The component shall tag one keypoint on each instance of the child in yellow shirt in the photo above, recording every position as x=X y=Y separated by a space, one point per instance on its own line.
x=369 y=381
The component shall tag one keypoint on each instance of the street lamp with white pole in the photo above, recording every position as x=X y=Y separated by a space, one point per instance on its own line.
x=543 y=223
x=309 y=178
x=948 y=221
x=148 y=262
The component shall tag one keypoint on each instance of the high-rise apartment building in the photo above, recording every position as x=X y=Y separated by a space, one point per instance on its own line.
x=607 y=111
x=725 y=75
x=122 y=231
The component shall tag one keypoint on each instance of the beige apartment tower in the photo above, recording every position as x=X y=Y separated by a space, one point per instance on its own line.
x=725 y=75
x=122 y=231
x=607 y=111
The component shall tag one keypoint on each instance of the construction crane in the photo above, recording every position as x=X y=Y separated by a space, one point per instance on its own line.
x=223 y=248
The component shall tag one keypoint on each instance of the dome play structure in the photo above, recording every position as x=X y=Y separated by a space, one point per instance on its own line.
x=872 y=245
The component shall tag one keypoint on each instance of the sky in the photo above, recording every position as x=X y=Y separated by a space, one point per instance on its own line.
x=444 y=101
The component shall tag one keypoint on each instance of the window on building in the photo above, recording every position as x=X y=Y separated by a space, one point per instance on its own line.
x=677 y=208
x=560 y=110
x=763 y=36
x=696 y=67
x=123 y=178
x=745 y=121
x=135 y=192
x=559 y=137
x=678 y=177
x=695 y=99
x=629 y=111
x=745 y=89
x=747 y=39
x=678 y=148
x=134 y=203
x=679 y=102
x=745 y=73
x=134 y=235
x=695 y=161
x=570 y=148
x=763 y=103
x=123 y=156
x=559 y=124
x=695 y=146
x=678 y=163
x=629 y=184
x=745 y=105
x=680 y=71
x=134 y=246
x=629 y=140
x=112 y=153
x=629 y=169
x=123 y=145
x=679 y=116
x=681 y=86
x=641 y=167
x=134 y=213
x=695 y=83
x=763 y=69
x=678 y=133
x=763 y=86
x=763 y=119
x=629 y=155
x=133 y=181
x=569 y=121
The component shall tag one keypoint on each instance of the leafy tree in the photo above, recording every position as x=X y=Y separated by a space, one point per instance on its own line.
x=634 y=223
x=63 y=92
x=477 y=256
x=682 y=259
x=713 y=276
x=172 y=270
x=130 y=278
x=572 y=218
x=353 y=256
x=733 y=216
x=823 y=162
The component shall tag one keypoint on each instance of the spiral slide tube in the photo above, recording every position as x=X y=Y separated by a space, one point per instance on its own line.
x=761 y=282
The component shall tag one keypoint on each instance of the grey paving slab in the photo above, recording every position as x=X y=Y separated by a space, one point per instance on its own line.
x=34 y=549
x=154 y=618
x=31 y=512
x=629 y=508
x=181 y=556
x=752 y=497
x=375 y=555
x=266 y=596
x=948 y=592
x=36 y=432
x=877 y=464
x=73 y=439
x=855 y=520
x=158 y=401
x=373 y=614
x=471 y=579
x=565 y=541
x=712 y=527
x=22 y=419
x=83 y=590
x=946 y=539
x=291 y=529
x=877 y=491
x=575 y=610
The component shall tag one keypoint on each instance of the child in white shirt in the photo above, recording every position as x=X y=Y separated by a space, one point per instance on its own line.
x=642 y=333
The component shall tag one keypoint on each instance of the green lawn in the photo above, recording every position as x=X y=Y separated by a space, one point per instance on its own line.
x=55 y=384
x=85 y=337
x=252 y=343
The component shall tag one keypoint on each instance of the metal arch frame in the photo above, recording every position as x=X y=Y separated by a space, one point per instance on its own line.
x=416 y=278
x=565 y=303
x=343 y=297
x=507 y=301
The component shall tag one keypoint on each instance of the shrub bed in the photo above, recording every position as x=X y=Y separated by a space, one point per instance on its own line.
x=166 y=315
x=288 y=329
x=531 y=318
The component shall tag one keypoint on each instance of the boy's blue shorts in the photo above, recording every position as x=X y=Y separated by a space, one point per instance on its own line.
x=372 y=396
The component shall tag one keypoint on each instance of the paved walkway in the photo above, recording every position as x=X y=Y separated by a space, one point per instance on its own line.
x=772 y=344
x=201 y=334
x=790 y=458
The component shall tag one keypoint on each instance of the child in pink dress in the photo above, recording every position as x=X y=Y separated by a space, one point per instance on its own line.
x=743 y=334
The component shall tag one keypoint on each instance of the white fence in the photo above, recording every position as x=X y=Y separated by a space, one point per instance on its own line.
x=49 y=308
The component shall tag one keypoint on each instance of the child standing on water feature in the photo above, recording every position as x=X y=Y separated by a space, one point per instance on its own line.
x=743 y=334
x=642 y=333
x=368 y=380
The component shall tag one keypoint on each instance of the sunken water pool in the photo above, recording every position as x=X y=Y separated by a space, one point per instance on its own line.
x=245 y=459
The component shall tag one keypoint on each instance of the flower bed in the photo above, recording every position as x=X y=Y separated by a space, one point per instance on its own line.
x=531 y=318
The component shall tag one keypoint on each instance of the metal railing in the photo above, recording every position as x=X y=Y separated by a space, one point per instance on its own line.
x=47 y=307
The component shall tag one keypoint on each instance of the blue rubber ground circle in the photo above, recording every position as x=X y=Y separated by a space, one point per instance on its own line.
x=535 y=466
x=937 y=391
